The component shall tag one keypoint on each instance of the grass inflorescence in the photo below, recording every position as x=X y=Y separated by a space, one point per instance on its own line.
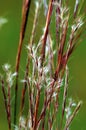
x=46 y=71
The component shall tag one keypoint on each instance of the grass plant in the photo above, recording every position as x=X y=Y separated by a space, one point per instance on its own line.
x=46 y=72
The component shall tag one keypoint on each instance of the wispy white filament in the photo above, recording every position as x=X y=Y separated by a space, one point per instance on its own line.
x=6 y=67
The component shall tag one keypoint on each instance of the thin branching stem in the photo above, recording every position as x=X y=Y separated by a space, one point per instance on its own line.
x=68 y=122
x=35 y=22
x=48 y=18
x=28 y=59
x=61 y=49
x=36 y=109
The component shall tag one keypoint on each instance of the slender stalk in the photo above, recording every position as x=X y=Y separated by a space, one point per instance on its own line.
x=46 y=31
x=51 y=56
x=4 y=95
x=68 y=122
x=24 y=89
x=30 y=110
x=47 y=101
x=7 y=105
x=35 y=22
x=28 y=59
x=61 y=49
x=36 y=109
x=58 y=21
x=64 y=95
x=44 y=114
x=25 y=11
x=30 y=103
x=76 y=8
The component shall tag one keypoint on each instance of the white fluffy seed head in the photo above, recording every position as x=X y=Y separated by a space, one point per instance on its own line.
x=6 y=67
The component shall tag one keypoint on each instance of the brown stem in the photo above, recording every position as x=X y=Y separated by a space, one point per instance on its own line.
x=7 y=106
x=25 y=11
x=58 y=21
x=4 y=95
x=36 y=108
x=61 y=49
x=47 y=101
x=28 y=60
x=44 y=114
x=46 y=31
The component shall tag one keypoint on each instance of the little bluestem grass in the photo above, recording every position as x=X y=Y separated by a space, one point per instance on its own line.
x=46 y=72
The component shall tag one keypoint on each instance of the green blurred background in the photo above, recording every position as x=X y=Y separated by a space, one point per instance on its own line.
x=9 y=37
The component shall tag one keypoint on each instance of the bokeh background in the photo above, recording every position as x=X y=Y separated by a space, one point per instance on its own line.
x=9 y=37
